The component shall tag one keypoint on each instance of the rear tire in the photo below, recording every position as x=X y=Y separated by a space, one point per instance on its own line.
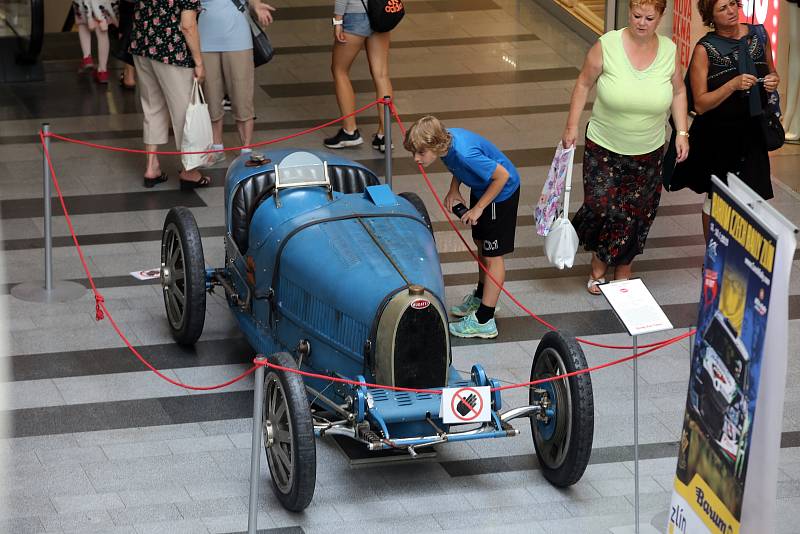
x=419 y=205
x=563 y=442
x=183 y=276
x=289 y=435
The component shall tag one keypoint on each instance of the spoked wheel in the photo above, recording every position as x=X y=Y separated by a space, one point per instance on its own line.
x=289 y=435
x=563 y=434
x=183 y=276
x=417 y=202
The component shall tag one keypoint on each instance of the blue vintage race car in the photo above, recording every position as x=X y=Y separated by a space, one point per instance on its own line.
x=329 y=271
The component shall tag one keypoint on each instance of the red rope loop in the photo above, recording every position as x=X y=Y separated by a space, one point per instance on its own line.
x=99 y=302
x=101 y=311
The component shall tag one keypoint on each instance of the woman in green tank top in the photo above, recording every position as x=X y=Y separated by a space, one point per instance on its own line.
x=638 y=80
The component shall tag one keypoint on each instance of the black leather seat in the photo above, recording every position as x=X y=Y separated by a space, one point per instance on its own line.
x=251 y=191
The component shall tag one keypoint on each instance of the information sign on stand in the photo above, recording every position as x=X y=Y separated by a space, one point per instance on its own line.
x=639 y=313
x=635 y=306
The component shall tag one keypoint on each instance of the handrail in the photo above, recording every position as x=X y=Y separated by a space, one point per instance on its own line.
x=29 y=40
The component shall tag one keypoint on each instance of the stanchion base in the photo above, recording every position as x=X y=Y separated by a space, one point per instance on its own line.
x=62 y=291
x=644 y=528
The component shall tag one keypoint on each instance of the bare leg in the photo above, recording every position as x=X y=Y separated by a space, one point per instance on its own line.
x=623 y=272
x=599 y=268
x=245 y=131
x=216 y=131
x=153 y=169
x=129 y=75
x=102 y=48
x=85 y=37
x=342 y=59
x=491 y=291
x=482 y=260
x=378 y=56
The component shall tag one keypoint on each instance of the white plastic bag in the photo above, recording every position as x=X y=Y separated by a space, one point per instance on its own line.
x=197 y=134
x=561 y=243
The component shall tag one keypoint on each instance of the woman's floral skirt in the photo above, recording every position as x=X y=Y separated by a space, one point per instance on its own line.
x=620 y=200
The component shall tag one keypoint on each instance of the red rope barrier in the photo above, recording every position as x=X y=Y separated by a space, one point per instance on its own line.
x=178 y=153
x=100 y=306
x=501 y=388
x=524 y=308
x=101 y=311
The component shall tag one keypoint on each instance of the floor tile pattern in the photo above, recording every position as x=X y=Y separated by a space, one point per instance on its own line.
x=90 y=441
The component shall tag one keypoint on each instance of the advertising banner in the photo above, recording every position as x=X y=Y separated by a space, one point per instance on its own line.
x=682 y=30
x=724 y=384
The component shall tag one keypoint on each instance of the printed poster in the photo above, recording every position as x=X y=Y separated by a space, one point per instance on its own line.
x=726 y=362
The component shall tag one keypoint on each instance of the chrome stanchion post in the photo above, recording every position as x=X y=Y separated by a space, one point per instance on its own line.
x=47 y=291
x=255 y=452
x=48 y=236
x=387 y=138
x=636 y=431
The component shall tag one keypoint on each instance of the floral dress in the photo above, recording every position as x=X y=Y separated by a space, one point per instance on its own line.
x=96 y=12
x=157 y=34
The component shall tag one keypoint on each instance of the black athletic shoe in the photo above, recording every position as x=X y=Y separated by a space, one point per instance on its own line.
x=343 y=139
x=379 y=143
x=226 y=103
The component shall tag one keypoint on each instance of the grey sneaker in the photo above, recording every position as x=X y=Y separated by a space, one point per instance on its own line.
x=470 y=327
x=470 y=304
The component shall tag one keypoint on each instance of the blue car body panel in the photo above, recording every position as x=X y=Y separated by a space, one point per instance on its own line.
x=373 y=244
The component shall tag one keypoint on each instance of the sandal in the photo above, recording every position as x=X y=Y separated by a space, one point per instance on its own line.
x=591 y=285
x=190 y=185
x=150 y=182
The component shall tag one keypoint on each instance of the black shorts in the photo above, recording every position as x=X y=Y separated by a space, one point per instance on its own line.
x=497 y=226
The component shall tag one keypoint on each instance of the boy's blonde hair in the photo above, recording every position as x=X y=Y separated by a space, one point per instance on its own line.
x=428 y=133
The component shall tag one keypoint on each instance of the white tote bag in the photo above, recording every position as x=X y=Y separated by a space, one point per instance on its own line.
x=197 y=134
x=561 y=242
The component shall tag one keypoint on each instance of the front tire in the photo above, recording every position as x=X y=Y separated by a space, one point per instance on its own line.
x=183 y=276
x=563 y=440
x=289 y=435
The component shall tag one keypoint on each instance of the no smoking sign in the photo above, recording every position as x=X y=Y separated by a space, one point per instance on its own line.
x=466 y=405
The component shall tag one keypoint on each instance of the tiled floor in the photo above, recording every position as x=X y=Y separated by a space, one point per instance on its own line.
x=93 y=442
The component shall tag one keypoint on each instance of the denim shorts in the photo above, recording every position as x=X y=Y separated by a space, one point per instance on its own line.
x=356 y=24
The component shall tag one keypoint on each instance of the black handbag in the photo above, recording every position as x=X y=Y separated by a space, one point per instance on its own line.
x=262 y=47
x=384 y=15
x=774 y=135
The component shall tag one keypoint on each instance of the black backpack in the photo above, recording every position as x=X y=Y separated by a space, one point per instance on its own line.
x=384 y=15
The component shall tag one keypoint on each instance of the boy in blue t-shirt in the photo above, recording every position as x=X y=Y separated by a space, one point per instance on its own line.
x=494 y=196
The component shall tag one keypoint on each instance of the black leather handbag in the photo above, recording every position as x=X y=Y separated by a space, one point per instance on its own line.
x=774 y=135
x=262 y=47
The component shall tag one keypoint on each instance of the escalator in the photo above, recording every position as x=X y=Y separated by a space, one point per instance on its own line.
x=21 y=36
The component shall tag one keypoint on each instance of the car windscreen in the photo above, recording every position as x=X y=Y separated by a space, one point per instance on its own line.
x=301 y=168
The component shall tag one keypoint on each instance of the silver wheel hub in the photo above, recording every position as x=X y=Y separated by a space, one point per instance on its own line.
x=269 y=434
x=166 y=276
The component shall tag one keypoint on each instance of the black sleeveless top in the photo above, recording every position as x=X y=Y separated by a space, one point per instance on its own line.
x=723 y=68
x=728 y=138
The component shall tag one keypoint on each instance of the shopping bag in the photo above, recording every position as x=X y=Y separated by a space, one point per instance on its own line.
x=561 y=243
x=558 y=176
x=197 y=134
